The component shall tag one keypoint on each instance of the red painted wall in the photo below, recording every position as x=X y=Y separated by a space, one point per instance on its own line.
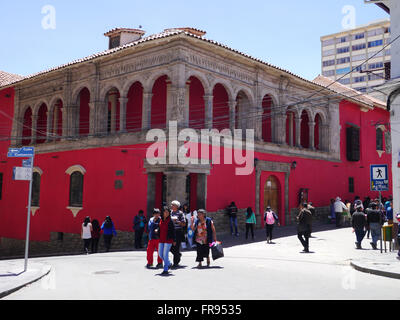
x=159 y=103
x=196 y=104
x=134 y=108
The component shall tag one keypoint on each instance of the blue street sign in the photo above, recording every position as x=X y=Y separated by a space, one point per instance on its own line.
x=25 y=152
x=26 y=163
x=379 y=177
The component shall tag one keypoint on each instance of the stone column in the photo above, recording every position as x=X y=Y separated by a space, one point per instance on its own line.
x=113 y=101
x=34 y=129
x=146 y=110
x=201 y=191
x=232 y=115
x=208 y=103
x=280 y=128
x=324 y=137
x=258 y=123
x=290 y=122
x=122 y=114
x=176 y=185
x=151 y=193
x=298 y=131
x=93 y=123
x=49 y=128
x=64 y=123
x=311 y=126
x=72 y=121
x=169 y=102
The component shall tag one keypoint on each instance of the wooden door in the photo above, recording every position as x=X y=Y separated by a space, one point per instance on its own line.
x=271 y=194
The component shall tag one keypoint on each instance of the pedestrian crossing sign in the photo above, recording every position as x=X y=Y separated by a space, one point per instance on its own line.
x=379 y=177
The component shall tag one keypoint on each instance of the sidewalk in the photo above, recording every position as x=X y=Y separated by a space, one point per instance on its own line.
x=386 y=265
x=12 y=277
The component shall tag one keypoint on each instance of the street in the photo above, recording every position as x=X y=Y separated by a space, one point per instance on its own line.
x=255 y=270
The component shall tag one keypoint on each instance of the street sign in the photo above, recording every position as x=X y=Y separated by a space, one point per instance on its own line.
x=22 y=174
x=25 y=152
x=27 y=163
x=379 y=177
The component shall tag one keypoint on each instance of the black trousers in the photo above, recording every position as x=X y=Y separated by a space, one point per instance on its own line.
x=86 y=244
x=95 y=245
x=138 y=238
x=268 y=229
x=176 y=249
x=338 y=218
x=107 y=241
x=304 y=237
x=249 y=227
x=203 y=251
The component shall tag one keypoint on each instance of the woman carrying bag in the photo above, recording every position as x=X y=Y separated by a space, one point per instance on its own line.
x=204 y=236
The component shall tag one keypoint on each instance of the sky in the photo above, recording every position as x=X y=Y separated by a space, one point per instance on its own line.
x=283 y=33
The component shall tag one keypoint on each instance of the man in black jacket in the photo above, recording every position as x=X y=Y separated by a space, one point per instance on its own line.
x=232 y=213
x=374 y=219
x=359 y=223
x=304 y=227
x=179 y=221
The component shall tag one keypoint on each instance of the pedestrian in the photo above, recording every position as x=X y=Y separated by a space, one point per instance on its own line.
x=186 y=211
x=250 y=222
x=108 y=232
x=389 y=213
x=179 y=221
x=154 y=239
x=190 y=233
x=205 y=235
x=312 y=210
x=96 y=232
x=357 y=202
x=359 y=224
x=232 y=213
x=332 y=210
x=167 y=238
x=139 y=223
x=86 y=234
x=270 y=218
x=374 y=219
x=339 y=208
x=304 y=227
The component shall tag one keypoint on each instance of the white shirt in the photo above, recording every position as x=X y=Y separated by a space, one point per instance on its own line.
x=189 y=218
x=86 y=234
x=339 y=206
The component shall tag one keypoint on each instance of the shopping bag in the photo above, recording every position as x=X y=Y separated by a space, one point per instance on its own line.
x=216 y=250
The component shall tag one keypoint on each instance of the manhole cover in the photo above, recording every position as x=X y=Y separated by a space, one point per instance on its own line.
x=106 y=272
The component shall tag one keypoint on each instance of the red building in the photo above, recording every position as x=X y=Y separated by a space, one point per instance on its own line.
x=88 y=121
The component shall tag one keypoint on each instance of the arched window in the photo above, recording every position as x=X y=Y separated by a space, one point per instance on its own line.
x=35 y=195
x=379 y=139
x=76 y=189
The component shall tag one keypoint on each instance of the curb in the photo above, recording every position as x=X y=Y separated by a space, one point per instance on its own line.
x=12 y=290
x=381 y=273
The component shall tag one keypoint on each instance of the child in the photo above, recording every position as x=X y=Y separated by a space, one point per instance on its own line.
x=154 y=239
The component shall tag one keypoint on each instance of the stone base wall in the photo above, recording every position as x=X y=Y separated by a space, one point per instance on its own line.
x=65 y=243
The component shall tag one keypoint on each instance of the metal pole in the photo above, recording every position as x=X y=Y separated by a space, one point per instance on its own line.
x=29 y=218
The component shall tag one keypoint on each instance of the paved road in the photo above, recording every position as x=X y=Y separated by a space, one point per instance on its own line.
x=254 y=270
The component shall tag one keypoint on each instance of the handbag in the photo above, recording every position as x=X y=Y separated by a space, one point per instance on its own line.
x=216 y=250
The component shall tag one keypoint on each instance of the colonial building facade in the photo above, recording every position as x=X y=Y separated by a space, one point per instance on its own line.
x=88 y=122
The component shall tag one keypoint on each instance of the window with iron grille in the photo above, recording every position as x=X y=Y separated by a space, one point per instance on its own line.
x=351 y=185
x=353 y=144
x=379 y=139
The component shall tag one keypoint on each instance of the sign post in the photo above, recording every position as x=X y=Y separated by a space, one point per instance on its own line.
x=379 y=178
x=26 y=152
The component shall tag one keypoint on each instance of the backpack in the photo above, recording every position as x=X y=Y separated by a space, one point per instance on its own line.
x=269 y=219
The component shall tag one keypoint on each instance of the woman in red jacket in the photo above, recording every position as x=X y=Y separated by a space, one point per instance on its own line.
x=167 y=238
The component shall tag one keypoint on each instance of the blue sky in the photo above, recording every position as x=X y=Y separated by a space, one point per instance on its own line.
x=284 y=33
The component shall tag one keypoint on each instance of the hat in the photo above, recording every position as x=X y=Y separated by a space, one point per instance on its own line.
x=176 y=203
x=338 y=199
x=156 y=211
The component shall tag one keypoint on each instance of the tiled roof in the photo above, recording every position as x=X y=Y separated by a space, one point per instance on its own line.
x=350 y=93
x=128 y=30
x=8 y=78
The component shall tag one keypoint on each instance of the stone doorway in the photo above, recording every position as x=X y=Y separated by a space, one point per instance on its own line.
x=272 y=194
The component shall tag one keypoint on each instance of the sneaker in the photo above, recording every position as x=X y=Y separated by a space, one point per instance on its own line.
x=159 y=266
x=164 y=273
x=148 y=266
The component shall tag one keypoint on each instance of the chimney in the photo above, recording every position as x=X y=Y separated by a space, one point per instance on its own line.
x=121 y=36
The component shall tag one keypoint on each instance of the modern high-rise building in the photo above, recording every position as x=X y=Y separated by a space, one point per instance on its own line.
x=349 y=49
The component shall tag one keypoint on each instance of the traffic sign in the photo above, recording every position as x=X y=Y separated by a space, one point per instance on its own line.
x=379 y=177
x=27 y=163
x=22 y=174
x=21 y=152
